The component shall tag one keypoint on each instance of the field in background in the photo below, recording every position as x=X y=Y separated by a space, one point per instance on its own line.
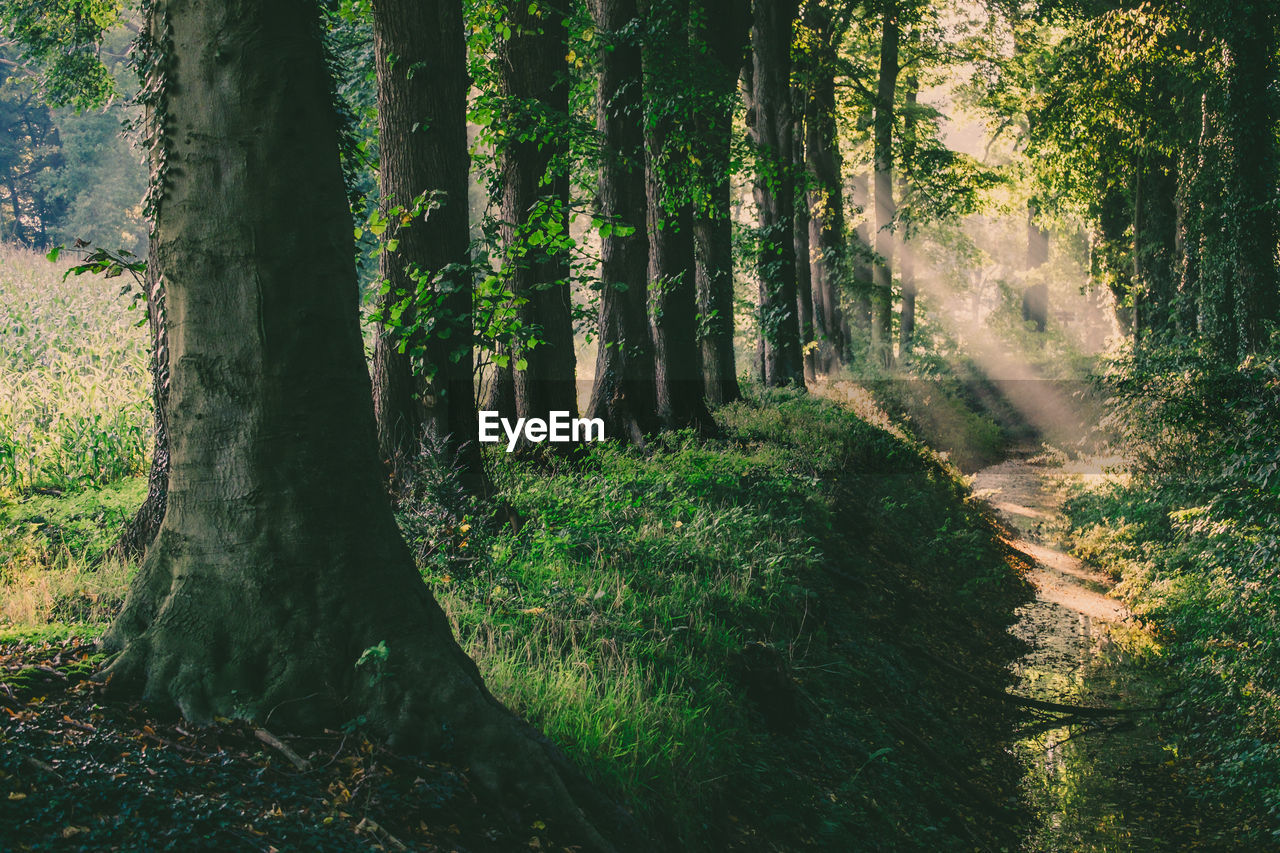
x=74 y=402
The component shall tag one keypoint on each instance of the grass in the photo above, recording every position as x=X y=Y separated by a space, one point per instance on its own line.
x=726 y=634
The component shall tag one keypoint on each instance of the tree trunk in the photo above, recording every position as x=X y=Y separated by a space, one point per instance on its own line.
x=886 y=208
x=1112 y=256
x=770 y=116
x=278 y=562
x=533 y=79
x=422 y=143
x=805 y=297
x=860 y=267
x=907 y=265
x=668 y=102
x=721 y=28
x=622 y=394
x=1154 y=235
x=1253 y=166
x=826 y=193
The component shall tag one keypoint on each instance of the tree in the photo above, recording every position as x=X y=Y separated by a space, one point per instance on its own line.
x=533 y=83
x=825 y=184
x=1251 y=117
x=885 y=208
x=770 y=123
x=30 y=151
x=622 y=394
x=422 y=358
x=669 y=98
x=720 y=29
x=278 y=565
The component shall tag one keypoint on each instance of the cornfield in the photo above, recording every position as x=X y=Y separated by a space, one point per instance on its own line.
x=74 y=401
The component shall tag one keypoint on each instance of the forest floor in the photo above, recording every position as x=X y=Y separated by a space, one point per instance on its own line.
x=1095 y=783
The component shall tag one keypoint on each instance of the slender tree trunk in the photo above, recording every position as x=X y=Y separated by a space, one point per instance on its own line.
x=907 y=264
x=826 y=193
x=713 y=255
x=422 y=142
x=1154 y=230
x=885 y=207
x=1192 y=200
x=1112 y=250
x=721 y=28
x=623 y=393
x=861 y=266
x=805 y=297
x=533 y=79
x=668 y=103
x=770 y=116
x=278 y=562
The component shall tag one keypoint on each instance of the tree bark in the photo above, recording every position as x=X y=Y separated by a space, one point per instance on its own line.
x=1251 y=115
x=278 y=562
x=885 y=207
x=860 y=267
x=623 y=393
x=533 y=79
x=422 y=142
x=1154 y=235
x=907 y=264
x=770 y=116
x=668 y=99
x=805 y=296
x=826 y=193
x=721 y=31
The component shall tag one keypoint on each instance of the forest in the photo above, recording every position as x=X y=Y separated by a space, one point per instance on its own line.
x=610 y=425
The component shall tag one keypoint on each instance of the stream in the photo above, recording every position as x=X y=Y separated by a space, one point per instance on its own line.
x=1096 y=785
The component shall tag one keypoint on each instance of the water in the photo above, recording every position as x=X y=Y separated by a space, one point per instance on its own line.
x=1093 y=783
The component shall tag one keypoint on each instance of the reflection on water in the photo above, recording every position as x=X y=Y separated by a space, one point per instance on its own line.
x=1093 y=783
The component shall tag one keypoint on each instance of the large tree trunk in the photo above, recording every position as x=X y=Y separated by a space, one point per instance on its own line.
x=885 y=207
x=826 y=193
x=533 y=79
x=278 y=562
x=677 y=368
x=770 y=116
x=721 y=31
x=622 y=394
x=422 y=143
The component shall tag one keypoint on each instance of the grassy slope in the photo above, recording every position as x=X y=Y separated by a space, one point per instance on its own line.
x=728 y=633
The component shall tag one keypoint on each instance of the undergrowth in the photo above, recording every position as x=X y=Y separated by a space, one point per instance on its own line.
x=734 y=637
x=1192 y=531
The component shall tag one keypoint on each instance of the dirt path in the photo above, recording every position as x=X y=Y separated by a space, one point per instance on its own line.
x=1103 y=787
